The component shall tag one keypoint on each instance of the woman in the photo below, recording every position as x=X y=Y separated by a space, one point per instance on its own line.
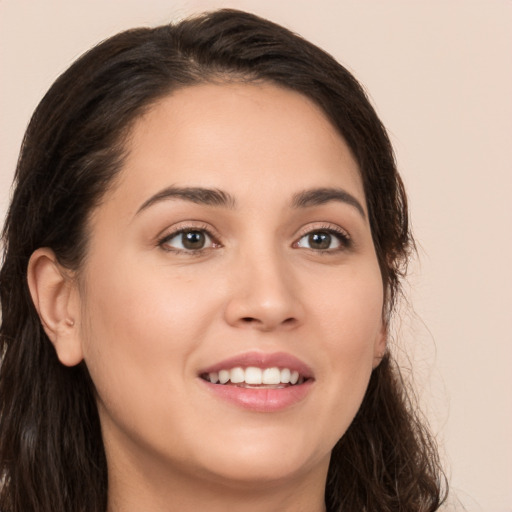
x=202 y=255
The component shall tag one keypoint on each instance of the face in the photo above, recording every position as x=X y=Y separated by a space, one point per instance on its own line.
x=235 y=245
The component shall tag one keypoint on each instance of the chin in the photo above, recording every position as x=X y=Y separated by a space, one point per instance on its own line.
x=272 y=459
x=254 y=473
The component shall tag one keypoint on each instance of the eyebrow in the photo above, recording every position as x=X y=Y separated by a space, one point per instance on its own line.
x=199 y=195
x=217 y=197
x=320 y=196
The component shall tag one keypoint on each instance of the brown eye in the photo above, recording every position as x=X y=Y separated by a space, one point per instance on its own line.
x=323 y=240
x=193 y=239
x=319 y=240
x=188 y=240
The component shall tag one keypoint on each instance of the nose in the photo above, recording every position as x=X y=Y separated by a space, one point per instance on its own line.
x=264 y=294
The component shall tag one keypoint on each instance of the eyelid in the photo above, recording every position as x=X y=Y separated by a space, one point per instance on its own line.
x=342 y=234
x=185 y=226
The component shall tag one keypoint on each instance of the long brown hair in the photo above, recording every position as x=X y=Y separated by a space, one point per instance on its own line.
x=51 y=450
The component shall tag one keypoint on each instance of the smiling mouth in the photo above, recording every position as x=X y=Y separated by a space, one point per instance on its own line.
x=256 y=378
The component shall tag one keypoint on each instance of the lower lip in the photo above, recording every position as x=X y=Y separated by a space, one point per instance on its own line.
x=263 y=399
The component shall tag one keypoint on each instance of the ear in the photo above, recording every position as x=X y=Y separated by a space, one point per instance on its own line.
x=56 y=300
x=379 y=349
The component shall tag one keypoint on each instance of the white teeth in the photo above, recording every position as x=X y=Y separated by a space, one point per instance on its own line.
x=253 y=375
x=256 y=376
x=237 y=375
x=271 y=376
x=223 y=376
x=285 y=375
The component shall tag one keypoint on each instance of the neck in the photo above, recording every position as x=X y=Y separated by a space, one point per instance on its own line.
x=138 y=487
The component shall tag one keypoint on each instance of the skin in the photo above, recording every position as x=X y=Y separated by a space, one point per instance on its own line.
x=147 y=316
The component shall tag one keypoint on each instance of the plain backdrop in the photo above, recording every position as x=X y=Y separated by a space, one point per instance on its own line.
x=440 y=75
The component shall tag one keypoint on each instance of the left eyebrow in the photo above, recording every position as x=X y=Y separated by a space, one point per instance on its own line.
x=320 y=196
x=199 y=195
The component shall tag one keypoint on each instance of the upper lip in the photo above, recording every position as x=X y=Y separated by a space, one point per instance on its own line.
x=262 y=360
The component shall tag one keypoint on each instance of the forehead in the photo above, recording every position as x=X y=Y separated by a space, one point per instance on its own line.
x=237 y=137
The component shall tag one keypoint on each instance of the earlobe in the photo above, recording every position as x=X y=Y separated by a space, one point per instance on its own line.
x=380 y=345
x=55 y=298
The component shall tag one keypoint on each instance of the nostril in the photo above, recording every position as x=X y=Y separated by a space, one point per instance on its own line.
x=249 y=320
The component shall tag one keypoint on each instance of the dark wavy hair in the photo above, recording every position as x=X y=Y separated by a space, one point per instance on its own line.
x=51 y=449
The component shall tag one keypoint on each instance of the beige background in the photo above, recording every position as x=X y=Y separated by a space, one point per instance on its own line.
x=440 y=74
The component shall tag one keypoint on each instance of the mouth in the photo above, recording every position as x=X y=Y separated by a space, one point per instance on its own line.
x=253 y=377
x=259 y=382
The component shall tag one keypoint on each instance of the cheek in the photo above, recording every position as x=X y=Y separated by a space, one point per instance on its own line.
x=350 y=309
x=137 y=307
x=139 y=330
x=349 y=321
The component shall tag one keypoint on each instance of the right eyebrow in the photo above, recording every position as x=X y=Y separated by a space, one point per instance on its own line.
x=319 y=196
x=199 y=195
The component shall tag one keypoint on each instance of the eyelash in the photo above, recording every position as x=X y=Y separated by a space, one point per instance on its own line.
x=341 y=236
x=187 y=229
